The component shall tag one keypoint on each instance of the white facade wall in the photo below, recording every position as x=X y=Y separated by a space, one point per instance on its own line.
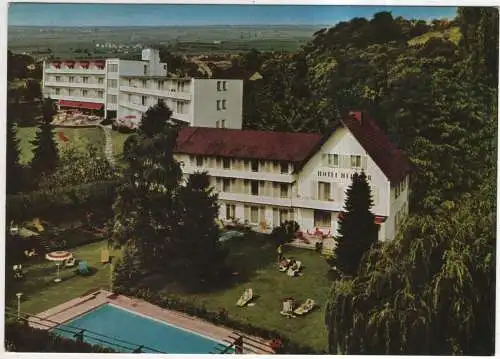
x=207 y=110
x=399 y=209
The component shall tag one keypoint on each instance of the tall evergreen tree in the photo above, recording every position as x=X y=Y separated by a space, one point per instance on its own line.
x=198 y=251
x=14 y=169
x=46 y=153
x=357 y=228
x=145 y=211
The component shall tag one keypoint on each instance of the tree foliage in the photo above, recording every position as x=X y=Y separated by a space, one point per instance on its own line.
x=14 y=175
x=45 y=153
x=357 y=229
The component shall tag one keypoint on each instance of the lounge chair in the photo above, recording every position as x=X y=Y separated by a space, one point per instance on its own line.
x=306 y=307
x=104 y=256
x=83 y=267
x=287 y=310
x=70 y=262
x=245 y=298
x=284 y=264
x=294 y=269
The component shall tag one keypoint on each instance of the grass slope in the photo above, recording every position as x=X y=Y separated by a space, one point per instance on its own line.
x=452 y=34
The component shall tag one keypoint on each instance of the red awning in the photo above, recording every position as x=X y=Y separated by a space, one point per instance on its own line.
x=77 y=104
x=84 y=64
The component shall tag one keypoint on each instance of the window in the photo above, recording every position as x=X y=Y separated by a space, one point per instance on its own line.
x=230 y=211
x=199 y=161
x=355 y=161
x=333 y=160
x=84 y=93
x=218 y=105
x=85 y=79
x=226 y=163
x=218 y=85
x=129 y=97
x=113 y=68
x=58 y=91
x=112 y=83
x=100 y=94
x=180 y=107
x=112 y=98
x=58 y=78
x=160 y=85
x=217 y=124
x=284 y=190
x=226 y=185
x=255 y=166
x=145 y=69
x=224 y=85
x=143 y=100
x=129 y=82
x=70 y=92
x=100 y=81
x=254 y=187
x=254 y=214
x=324 y=191
x=71 y=79
x=284 y=167
x=180 y=86
x=283 y=213
x=223 y=104
x=144 y=83
x=322 y=219
x=223 y=123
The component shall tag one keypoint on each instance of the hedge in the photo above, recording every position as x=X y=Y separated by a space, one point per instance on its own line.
x=23 y=338
x=51 y=202
x=221 y=318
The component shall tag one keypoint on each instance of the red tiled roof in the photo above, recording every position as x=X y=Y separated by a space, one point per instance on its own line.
x=77 y=104
x=265 y=145
x=387 y=156
x=294 y=147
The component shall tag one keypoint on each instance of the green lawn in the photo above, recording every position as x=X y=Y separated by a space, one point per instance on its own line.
x=255 y=261
x=254 y=258
x=80 y=136
x=40 y=292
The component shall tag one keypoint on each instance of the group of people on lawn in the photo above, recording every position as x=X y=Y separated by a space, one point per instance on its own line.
x=293 y=268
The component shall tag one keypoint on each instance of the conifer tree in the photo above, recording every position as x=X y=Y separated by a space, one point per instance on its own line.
x=357 y=228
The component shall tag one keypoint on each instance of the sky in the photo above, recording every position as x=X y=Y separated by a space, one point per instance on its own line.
x=60 y=14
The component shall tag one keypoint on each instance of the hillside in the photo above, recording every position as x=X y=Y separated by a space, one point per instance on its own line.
x=452 y=34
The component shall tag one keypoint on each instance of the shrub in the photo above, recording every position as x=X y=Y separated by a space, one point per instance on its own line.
x=23 y=338
x=49 y=203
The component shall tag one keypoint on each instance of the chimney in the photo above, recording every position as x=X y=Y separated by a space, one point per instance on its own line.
x=357 y=115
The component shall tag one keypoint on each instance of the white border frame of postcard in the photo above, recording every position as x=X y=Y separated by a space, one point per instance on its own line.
x=3 y=87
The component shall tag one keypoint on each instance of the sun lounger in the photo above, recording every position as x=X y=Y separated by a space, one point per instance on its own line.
x=306 y=307
x=104 y=256
x=245 y=298
x=294 y=269
x=70 y=262
x=287 y=310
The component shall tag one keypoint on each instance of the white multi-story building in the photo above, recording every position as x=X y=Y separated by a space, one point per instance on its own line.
x=264 y=178
x=126 y=89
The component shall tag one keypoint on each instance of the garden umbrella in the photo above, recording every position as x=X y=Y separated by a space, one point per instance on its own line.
x=58 y=257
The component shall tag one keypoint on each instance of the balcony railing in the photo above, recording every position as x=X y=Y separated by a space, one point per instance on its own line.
x=74 y=84
x=51 y=70
x=155 y=92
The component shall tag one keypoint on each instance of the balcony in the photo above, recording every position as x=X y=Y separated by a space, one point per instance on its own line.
x=50 y=70
x=155 y=92
x=242 y=174
x=143 y=108
x=261 y=200
x=75 y=98
x=73 y=84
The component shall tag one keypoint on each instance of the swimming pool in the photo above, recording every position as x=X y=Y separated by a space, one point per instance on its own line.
x=124 y=331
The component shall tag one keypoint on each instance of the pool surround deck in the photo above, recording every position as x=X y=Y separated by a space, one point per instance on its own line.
x=74 y=308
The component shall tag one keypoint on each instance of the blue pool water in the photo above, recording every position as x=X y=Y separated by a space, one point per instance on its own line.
x=135 y=330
